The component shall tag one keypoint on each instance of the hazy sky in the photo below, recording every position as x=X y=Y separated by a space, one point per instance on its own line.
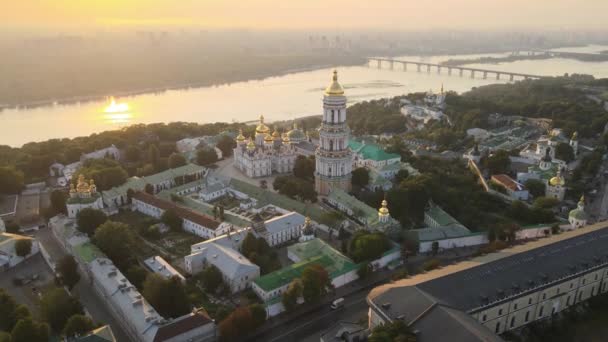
x=307 y=14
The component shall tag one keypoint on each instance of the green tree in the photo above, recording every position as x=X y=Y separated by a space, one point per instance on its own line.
x=206 y=157
x=304 y=167
x=172 y=219
x=564 y=152
x=394 y=331
x=176 y=160
x=57 y=306
x=364 y=270
x=68 y=269
x=498 y=163
x=23 y=247
x=226 y=144
x=58 y=199
x=360 y=177
x=149 y=189
x=89 y=219
x=167 y=296
x=132 y=153
x=11 y=180
x=106 y=173
x=291 y=295
x=153 y=156
x=5 y=337
x=249 y=244
x=115 y=240
x=536 y=187
x=212 y=278
x=545 y=202
x=8 y=307
x=77 y=325
x=315 y=282
x=401 y=176
x=365 y=246
x=258 y=313
x=238 y=324
x=27 y=330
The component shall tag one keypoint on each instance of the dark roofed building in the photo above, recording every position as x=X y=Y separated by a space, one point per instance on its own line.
x=500 y=291
x=197 y=326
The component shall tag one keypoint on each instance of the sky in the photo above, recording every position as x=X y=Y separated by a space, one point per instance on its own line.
x=308 y=14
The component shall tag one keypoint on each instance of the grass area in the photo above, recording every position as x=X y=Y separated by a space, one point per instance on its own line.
x=199 y=299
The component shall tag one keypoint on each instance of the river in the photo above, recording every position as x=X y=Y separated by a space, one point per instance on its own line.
x=278 y=98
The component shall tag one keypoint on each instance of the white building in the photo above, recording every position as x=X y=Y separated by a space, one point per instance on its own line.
x=83 y=196
x=279 y=229
x=577 y=217
x=213 y=190
x=160 y=266
x=143 y=322
x=267 y=154
x=193 y=222
x=238 y=272
x=333 y=156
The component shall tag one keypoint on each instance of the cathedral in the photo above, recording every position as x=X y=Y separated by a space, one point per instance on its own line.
x=334 y=160
x=265 y=153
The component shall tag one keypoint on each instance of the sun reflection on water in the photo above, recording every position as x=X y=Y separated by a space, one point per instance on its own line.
x=117 y=113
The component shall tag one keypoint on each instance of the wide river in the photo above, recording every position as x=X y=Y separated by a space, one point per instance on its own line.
x=278 y=98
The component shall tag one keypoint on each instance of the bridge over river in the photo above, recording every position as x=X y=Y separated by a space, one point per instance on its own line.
x=428 y=67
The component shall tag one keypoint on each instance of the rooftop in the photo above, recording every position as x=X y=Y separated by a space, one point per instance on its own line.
x=160 y=266
x=507 y=182
x=280 y=223
x=340 y=196
x=229 y=261
x=184 y=213
x=440 y=233
x=440 y=216
x=371 y=151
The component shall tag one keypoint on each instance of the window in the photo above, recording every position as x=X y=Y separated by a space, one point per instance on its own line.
x=568 y=301
x=595 y=276
x=499 y=312
x=593 y=291
x=497 y=330
x=529 y=300
x=584 y=281
x=540 y=313
x=515 y=306
x=544 y=296
x=527 y=316
x=484 y=318
x=512 y=321
x=580 y=296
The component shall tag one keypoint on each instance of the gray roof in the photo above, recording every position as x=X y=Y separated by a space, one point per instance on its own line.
x=283 y=222
x=306 y=145
x=230 y=262
x=526 y=270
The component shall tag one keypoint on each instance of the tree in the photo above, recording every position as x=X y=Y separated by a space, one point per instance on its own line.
x=106 y=173
x=172 y=219
x=315 y=282
x=401 y=176
x=153 y=156
x=68 y=269
x=11 y=180
x=364 y=270
x=555 y=229
x=564 y=152
x=5 y=337
x=498 y=163
x=360 y=177
x=394 y=331
x=176 y=160
x=115 y=240
x=23 y=247
x=365 y=246
x=226 y=144
x=167 y=296
x=132 y=153
x=304 y=167
x=296 y=188
x=536 y=187
x=435 y=247
x=206 y=157
x=89 y=219
x=78 y=325
x=291 y=295
x=8 y=311
x=545 y=202
x=58 y=199
x=238 y=324
x=212 y=278
x=149 y=189
x=27 y=330
x=57 y=307
x=258 y=313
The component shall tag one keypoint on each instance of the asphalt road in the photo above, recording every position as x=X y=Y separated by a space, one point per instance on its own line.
x=309 y=327
x=94 y=305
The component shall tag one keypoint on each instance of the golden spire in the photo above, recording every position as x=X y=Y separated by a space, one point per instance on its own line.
x=276 y=134
x=574 y=135
x=384 y=209
x=334 y=88
x=240 y=137
x=262 y=128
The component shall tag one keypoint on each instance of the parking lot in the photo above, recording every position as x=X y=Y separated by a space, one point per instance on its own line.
x=28 y=294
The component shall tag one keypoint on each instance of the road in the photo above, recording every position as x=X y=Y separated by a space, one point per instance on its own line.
x=94 y=305
x=309 y=327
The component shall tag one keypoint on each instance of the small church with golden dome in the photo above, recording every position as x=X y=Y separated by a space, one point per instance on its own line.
x=83 y=195
x=265 y=153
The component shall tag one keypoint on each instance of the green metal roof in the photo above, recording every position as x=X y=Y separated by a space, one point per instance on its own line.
x=441 y=216
x=311 y=252
x=88 y=252
x=371 y=151
x=340 y=196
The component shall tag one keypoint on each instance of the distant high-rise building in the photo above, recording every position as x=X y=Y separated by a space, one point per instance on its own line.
x=333 y=156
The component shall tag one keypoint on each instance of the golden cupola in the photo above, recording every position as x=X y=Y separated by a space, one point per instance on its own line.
x=268 y=138
x=240 y=138
x=251 y=145
x=558 y=179
x=384 y=209
x=334 y=88
x=276 y=135
x=262 y=128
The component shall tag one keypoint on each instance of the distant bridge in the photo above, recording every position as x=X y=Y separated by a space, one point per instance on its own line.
x=449 y=68
x=564 y=54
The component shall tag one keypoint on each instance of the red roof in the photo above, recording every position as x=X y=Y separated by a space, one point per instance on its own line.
x=182 y=325
x=184 y=213
x=507 y=182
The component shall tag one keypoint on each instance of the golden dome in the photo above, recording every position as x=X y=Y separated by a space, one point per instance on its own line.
x=286 y=138
x=240 y=137
x=250 y=144
x=276 y=135
x=384 y=210
x=574 y=135
x=268 y=138
x=261 y=128
x=557 y=180
x=334 y=89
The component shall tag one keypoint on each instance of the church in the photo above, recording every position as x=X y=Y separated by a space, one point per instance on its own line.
x=265 y=154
